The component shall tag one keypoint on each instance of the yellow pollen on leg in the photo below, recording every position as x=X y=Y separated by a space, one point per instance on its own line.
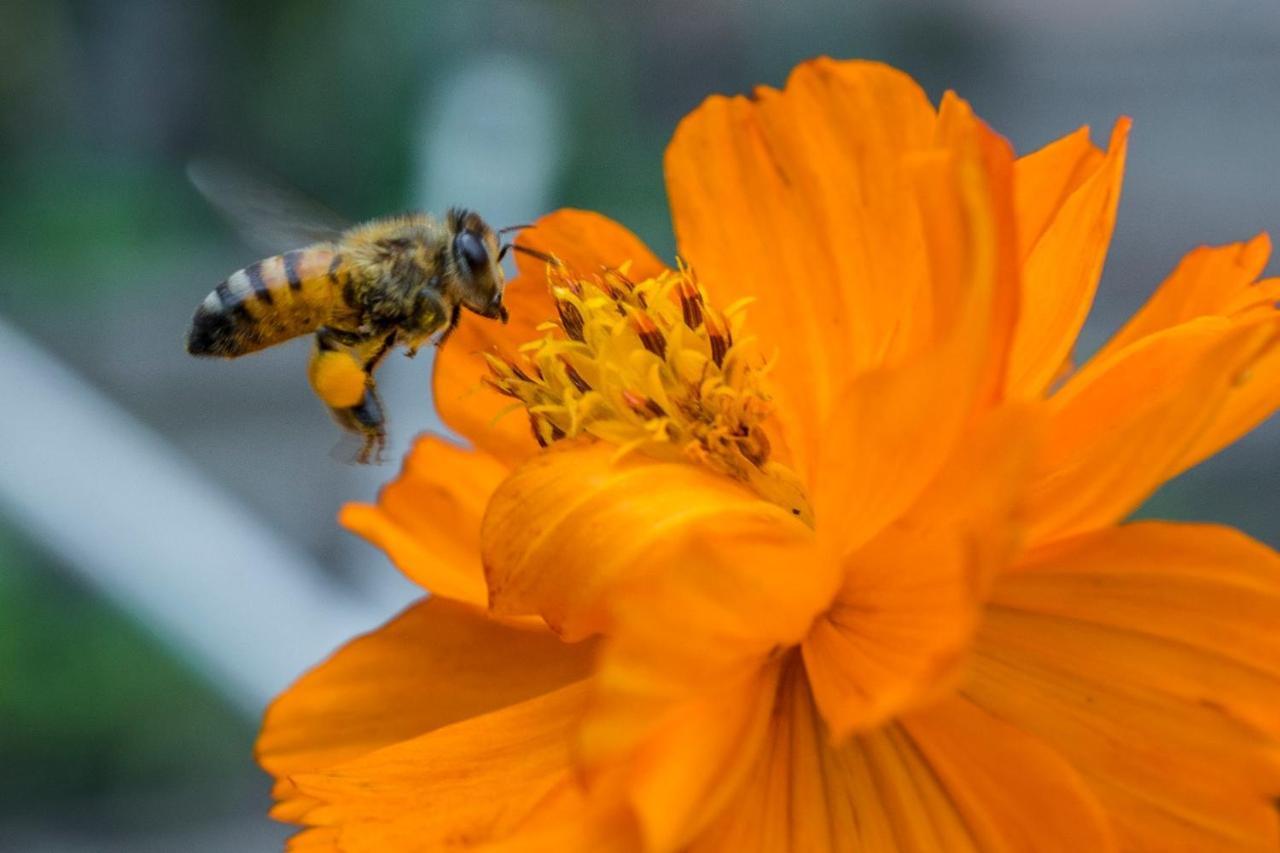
x=650 y=366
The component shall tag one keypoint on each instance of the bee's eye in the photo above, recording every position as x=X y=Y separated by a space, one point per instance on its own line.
x=469 y=249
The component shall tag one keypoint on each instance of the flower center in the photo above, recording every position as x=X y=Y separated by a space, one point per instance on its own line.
x=650 y=366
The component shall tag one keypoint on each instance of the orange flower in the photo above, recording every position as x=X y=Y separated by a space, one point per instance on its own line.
x=815 y=557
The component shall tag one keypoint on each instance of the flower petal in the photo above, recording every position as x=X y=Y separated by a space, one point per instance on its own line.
x=573 y=526
x=428 y=519
x=696 y=585
x=463 y=784
x=954 y=781
x=1148 y=657
x=801 y=200
x=1211 y=281
x=911 y=598
x=1013 y=791
x=1219 y=281
x=579 y=238
x=436 y=663
x=906 y=613
x=318 y=839
x=1252 y=399
x=1045 y=179
x=706 y=624
x=697 y=755
x=1124 y=425
x=1062 y=268
x=892 y=428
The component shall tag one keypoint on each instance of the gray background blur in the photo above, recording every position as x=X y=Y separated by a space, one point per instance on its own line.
x=168 y=551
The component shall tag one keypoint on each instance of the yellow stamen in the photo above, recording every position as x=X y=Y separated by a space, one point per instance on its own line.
x=650 y=366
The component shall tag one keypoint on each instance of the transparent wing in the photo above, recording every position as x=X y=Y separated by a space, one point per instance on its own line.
x=265 y=212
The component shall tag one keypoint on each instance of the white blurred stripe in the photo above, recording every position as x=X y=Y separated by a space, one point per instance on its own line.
x=112 y=500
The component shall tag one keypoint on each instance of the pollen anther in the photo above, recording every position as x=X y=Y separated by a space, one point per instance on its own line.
x=651 y=366
x=570 y=319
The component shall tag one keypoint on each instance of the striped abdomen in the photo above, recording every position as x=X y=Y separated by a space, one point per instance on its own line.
x=268 y=302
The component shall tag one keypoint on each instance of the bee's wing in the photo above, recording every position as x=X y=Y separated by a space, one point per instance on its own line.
x=266 y=213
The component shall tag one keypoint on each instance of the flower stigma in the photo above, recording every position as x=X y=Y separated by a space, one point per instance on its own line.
x=650 y=366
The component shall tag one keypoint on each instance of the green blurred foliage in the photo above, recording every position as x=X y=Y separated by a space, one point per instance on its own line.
x=92 y=705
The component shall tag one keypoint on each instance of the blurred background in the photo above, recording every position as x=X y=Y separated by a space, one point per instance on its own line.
x=169 y=557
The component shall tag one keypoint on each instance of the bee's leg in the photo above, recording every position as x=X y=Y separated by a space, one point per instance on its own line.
x=341 y=376
x=331 y=337
x=372 y=361
x=454 y=317
x=367 y=420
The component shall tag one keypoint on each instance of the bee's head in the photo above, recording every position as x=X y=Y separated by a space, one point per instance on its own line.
x=476 y=261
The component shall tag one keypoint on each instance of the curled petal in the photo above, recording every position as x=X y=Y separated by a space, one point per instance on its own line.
x=697 y=585
x=574 y=528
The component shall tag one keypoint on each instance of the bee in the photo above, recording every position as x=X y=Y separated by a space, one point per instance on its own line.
x=361 y=291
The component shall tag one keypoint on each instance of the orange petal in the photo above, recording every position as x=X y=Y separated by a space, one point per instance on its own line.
x=1063 y=264
x=1220 y=281
x=583 y=240
x=887 y=791
x=697 y=584
x=892 y=429
x=428 y=519
x=1045 y=179
x=320 y=839
x=911 y=598
x=1124 y=425
x=802 y=201
x=697 y=755
x=691 y=660
x=436 y=663
x=572 y=526
x=1148 y=657
x=890 y=433
x=571 y=818
x=462 y=784
x=976 y=276
x=1252 y=399
x=706 y=623
x=1014 y=792
x=1211 y=281
x=907 y=611
x=873 y=793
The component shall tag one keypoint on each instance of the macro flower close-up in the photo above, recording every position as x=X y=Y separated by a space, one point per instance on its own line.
x=817 y=536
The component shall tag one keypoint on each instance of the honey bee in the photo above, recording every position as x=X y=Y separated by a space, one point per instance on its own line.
x=365 y=290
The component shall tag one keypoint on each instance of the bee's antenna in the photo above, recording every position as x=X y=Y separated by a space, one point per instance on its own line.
x=534 y=253
x=511 y=228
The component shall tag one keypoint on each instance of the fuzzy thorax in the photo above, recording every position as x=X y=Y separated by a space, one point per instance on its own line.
x=650 y=366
